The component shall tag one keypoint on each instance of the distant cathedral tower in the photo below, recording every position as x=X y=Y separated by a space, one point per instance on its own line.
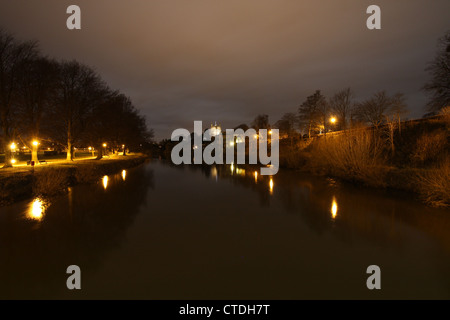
x=215 y=129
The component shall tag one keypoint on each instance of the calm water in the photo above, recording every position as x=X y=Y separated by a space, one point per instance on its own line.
x=163 y=232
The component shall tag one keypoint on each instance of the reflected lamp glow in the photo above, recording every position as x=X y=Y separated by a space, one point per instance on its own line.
x=271 y=185
x=124 y=174
x=105 y=182
x=36 y=209
x=240 y=172
x=256 y=176
x=334 y=208
x=214 y=172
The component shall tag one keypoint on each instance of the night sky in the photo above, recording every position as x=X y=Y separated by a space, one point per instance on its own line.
x=228 y=61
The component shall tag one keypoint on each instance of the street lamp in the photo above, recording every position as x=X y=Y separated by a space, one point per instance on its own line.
x=333 y=120
x=34 y=152
x=13 y=148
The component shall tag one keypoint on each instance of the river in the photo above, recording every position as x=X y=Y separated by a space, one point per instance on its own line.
x=168 y=232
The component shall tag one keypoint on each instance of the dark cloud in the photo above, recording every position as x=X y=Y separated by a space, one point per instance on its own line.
x=229 y=60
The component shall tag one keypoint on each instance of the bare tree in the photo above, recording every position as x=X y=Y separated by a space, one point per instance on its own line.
x=398 y=109
x=439 y=85
x=391 y=125
x=79 y=89
x=115 y=121
x=341 y=105
x=373 y=110
x=309 y=111
x=37 y=87
x=261 y=122
x=13 y=54
x=287 y=125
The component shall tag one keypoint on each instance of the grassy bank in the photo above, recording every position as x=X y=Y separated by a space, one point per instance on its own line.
x=415 y=158
x=18 y=184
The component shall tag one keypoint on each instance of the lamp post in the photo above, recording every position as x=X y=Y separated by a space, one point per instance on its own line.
x=34 y=151
x=104 y=147
x=333 y=121
x=13 y=149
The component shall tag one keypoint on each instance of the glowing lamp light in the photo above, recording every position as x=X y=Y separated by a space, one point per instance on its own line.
x=13 y=161
x=13 y=146
x=36 y=209
x=105 y=182
x=270 y=131
x=89 y=148
x=124 y=174
x=333 y=120
x=104 y=144
x=256 y=176
x=334 y=208
x=271 y=185
x=35 y=143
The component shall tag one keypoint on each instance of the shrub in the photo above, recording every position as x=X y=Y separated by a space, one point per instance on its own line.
x=430 y=147
x=50 y=181
x=87 y=173
x=355 y=155
x=434 y=185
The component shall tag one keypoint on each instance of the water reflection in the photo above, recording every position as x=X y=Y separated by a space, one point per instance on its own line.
x=149 y=241
x=36 y=209
x=334 y=208
x=240 y=172
x=214 y=173
x=83 y=225
x=105 y=182
x=271 y=185
x=124 y=174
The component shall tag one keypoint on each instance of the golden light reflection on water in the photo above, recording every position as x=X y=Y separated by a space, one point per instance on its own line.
x=105 y=182
x=124 y=174
x=36 y=209
x=232 y=168
x=271 y=185
x=334 y=208
x=214 y=173
x=256 y=176
x=240 y=172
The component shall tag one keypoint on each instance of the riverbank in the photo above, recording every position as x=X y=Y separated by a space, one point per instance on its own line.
x=415 y=159
x=47 y=180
